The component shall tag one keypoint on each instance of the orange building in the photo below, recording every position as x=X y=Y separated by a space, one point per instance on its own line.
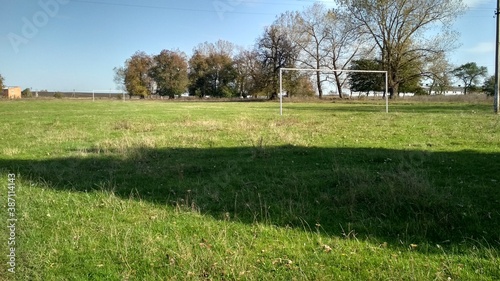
x=12 y=93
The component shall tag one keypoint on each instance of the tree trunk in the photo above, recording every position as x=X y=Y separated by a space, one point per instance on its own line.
x=318 y=83
x=339 y=85
x=391 y=92
x=393 y=87
x=394 y=91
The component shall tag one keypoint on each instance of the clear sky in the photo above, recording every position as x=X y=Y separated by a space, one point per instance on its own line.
x=64 y=45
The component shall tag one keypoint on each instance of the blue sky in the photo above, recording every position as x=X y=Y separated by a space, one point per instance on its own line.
x=75 y=44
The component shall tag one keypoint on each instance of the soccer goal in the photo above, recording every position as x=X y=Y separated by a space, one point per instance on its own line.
x=334 y=71
x=108 y=93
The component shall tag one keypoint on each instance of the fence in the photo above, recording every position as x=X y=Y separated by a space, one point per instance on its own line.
x=101 y=94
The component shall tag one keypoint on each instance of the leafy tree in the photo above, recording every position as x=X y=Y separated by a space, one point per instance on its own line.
x=135 y=75
x=489 y=86
x=170 y=73
x=398 y=29
x=1 y=82
x=411 y=74
x=276 y=51
x=26 y=93
x=366 y=82
x=469 y=74
x=301 y=86
x=222 y=75
x=198 y=75
x=212 y=70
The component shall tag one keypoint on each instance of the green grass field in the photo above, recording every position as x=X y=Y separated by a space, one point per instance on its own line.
x=145 y=190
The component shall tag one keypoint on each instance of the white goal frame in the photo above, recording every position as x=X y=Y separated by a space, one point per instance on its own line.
x=115 y=92
x=334 y=71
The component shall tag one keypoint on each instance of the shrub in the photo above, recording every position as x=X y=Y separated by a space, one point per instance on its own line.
x=26 y=93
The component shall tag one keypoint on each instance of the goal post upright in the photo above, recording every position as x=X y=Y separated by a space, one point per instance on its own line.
x=281 y=91
x=386 y=90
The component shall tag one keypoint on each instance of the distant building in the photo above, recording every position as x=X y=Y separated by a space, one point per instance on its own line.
x=449 y=91
x=12 y=93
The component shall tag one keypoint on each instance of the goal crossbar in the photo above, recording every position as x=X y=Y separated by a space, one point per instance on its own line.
x=334 y=71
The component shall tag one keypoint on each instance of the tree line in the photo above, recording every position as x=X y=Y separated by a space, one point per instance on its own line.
x=408 y=39
x=1 y=82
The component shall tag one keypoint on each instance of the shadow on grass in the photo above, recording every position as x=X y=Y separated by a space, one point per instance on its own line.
x=390 y=195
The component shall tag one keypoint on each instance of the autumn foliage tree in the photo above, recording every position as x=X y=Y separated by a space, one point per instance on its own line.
x=301 y=86
x=170 y=73
x=135 y=75
x=212 y=71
